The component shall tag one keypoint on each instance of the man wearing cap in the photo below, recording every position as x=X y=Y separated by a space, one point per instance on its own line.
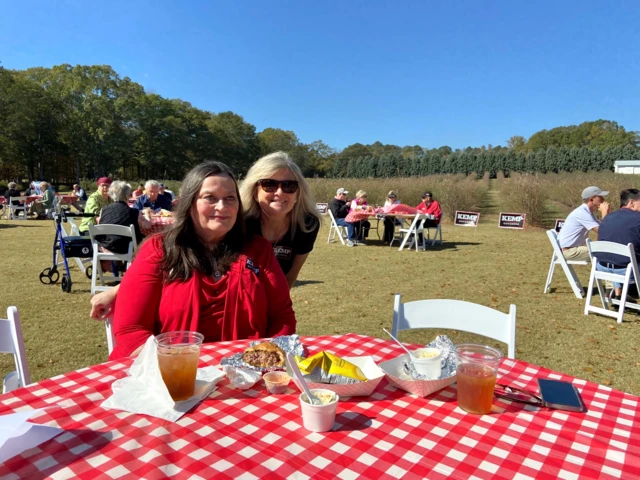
x=166 y=192
x=152 y=198
x=81 y=197
x=340 y=209
x=95 y=203
x=575 y=230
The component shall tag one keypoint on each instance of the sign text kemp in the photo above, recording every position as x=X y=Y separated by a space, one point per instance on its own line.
x=467 y=219
x=511 y=220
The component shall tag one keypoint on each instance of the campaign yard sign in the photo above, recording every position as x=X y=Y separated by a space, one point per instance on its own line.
x=559 y=224
x=467 y=219
x=511 y=220
x=322 y=208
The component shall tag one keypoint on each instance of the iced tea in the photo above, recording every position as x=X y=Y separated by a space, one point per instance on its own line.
x=178 y=354
x=477 y=368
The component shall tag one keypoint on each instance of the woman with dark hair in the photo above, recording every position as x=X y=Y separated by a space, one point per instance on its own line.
x=203 y=274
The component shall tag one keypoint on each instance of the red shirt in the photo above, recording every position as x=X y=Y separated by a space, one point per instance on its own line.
x=432 y=209
x=251 y=301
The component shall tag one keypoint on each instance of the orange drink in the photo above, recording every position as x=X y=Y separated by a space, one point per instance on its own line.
x=178 y=354
x=477 y=368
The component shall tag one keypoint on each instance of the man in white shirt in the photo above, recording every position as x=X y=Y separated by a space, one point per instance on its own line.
x=575 y=231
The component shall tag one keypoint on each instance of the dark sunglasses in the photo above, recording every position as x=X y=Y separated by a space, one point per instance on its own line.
x=271 y=186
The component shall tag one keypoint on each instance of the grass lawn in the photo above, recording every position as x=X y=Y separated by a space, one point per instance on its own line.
x=344 y=290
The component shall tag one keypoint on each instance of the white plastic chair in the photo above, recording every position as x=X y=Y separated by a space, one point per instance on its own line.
x=11 y=341
x=335 y=228
x=557 y=258
x=438 y=230
x=597 y=277
x=14 y=210
x=412 y=232
x=96 y=269
x=456 y=315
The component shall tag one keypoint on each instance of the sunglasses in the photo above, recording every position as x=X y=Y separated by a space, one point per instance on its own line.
x=271 y=186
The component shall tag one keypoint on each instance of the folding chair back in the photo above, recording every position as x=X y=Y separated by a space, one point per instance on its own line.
x=98 y=256
x=557 y=258
x=14 y=210
x=11 y=341
x=438 y=230
x=334 y=229
x=456 y=315
x=597 y=277
x=413 y=231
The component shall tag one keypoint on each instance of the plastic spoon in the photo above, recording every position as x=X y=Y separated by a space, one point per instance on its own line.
x=296 y=371
x=411 y=355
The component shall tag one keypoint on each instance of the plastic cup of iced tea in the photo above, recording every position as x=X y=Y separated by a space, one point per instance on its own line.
x=178 y=354
x=477 y=368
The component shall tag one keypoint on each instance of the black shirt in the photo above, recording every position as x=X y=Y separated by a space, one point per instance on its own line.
x=12 y=192
x=288 y=247
x=119 y=213
x=339 y=208
x=621 y=226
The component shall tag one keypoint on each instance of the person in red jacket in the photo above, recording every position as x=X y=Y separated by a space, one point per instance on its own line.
x=432 y=208
x=204 y=274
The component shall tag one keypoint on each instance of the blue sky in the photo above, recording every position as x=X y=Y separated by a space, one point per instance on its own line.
x=430 y=73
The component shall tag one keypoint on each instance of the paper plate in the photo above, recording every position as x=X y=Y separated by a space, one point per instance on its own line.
x=394 y=370
x=369 y=369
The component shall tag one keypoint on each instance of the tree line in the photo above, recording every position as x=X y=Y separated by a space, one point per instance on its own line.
x=70 y=122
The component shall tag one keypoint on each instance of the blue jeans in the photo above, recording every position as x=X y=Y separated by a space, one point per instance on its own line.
x=341 y=222
x=608 y=267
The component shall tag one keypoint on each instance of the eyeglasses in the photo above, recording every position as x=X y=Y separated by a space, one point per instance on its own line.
x=517 y=395
x=271 y=186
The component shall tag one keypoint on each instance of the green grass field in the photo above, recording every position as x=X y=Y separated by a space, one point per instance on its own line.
x=344 y=290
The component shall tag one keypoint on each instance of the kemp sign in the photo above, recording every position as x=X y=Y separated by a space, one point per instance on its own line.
x=467 y=219
x=322 y=208
x=511 y=220
x=559 y=224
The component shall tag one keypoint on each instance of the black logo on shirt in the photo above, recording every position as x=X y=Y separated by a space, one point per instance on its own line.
x=252 y=267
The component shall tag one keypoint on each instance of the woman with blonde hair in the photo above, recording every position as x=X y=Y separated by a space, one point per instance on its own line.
x=279 y=206
x=359 y=230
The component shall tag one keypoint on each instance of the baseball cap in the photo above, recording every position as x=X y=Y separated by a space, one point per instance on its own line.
x=341 y=191
x=391 y=194
x=592 y=191
x=103 y=180
x=427 y=194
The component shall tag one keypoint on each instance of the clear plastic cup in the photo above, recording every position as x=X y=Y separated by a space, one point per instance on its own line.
x=178 y=354
x=477 y=369
x=319 y=418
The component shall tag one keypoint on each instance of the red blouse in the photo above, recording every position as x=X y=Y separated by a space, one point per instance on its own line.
x=432 y=209
x=251 y=301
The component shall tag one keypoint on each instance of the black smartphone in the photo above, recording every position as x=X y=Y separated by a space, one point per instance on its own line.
x=560 y=395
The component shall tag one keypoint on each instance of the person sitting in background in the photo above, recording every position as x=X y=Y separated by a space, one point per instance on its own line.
x=167 y=193
x=81 y=197
x=95 y=203
x=279 y=207
x=12 y=192
x=359 y=231
x=152 y=198
x=119 y=213
x=340 y=207
x=203 y=274
x=390 y=222
x=36 y=188
x=575 y=231
x=138 y=192
x=40 y=206
x=431 y=208
x=621 y=226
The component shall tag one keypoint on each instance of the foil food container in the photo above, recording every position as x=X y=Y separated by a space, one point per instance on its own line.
x=288 y=343
x=448 y=362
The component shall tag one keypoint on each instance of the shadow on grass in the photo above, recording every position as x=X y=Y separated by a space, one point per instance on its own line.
x=300 y=283
x=14 y=225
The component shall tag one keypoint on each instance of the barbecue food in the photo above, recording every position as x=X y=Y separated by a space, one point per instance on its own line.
x=263 y=355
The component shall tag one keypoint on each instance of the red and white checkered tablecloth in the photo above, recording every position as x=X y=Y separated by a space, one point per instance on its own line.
x=158 y=224
x=391 y=434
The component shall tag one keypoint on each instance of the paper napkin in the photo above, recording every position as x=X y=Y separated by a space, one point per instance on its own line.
x=144 y=391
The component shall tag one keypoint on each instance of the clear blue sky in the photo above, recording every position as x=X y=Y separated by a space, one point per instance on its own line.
x=430 y=73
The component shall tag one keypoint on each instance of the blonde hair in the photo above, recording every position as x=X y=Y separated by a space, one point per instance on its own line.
x=264 y=168
x=361 y=193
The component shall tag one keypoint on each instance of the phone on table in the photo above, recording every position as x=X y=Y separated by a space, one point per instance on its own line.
x=560 y=395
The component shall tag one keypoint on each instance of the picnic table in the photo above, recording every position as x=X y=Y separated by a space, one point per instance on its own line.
x=158 y=224
x=390 y=434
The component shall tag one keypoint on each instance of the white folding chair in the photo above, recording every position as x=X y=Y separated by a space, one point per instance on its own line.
x=597 y=277
x=54 y=207
x=14 y=210
x=335 y=228
x=412 y=232
x=456 y=315
x=11 y=341
x=557 y=258
x=438 y=230
x=96 y=269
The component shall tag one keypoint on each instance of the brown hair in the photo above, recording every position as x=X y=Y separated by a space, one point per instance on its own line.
x=184 y=251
